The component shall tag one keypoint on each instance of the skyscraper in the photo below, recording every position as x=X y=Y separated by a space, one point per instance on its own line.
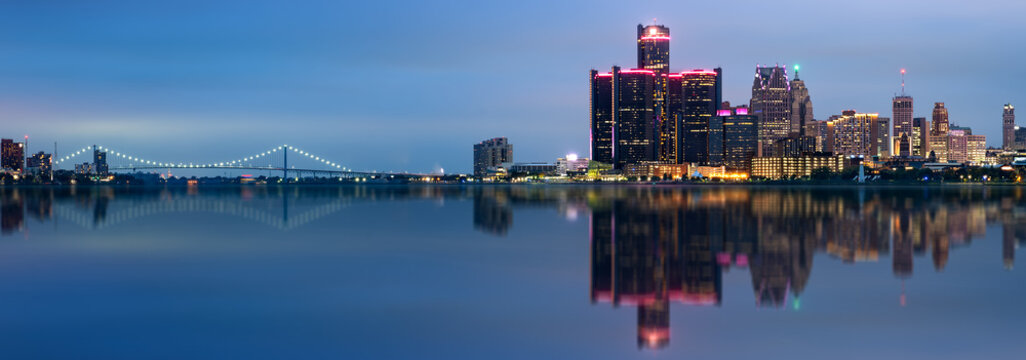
x=939 y=133
x=940 y=120
x=920 y=137
x=654 y=55
x=881 y=137
x=491 y=153
x=771 y=103
x=635 y=127
x=99 y=161
x=1008 y=128
x=801 y=105
x=670 y=148
x=602 y=117
x=901 y=107
x=699 y=95
x=740 y=138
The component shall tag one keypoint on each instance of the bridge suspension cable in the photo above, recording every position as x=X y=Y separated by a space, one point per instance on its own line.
x=129 y=161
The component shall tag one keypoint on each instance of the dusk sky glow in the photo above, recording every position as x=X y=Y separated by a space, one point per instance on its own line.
x=412 y=85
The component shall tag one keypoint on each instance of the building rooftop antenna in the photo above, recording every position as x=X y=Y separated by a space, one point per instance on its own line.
x=902 y=82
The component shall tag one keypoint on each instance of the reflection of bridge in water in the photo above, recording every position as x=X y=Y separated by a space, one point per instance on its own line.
x=101 y=217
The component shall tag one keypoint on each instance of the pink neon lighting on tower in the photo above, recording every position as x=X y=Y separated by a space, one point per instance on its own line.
x=724 y=112
x=698 y=72
x=637 y=71
x=741 y=111
x=656 y=37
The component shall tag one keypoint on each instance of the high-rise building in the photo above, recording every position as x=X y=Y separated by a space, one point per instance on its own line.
x=654 y=48
x=654 y=55
x=940 y=120
x=12 y=155
x=771 y=103
x=602 y=117
x=635 y=130
x=670 y=150
x=700 y=104
x=901 y=107
x=740 y=138
x=99 y=161
x=801 y=105
x=1008 y=127
x=491 y=153
x=920 y=138
x=715 y=150
x=881 y=137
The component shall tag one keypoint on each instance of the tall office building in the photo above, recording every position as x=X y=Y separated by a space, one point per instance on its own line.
x=740 y=138
x=901 y=107
x=801 y=105
x=602 y=117
x=881 y=137
x=920 y=138
x=1008 y=127
x=12 y=155
x=670 y=150
x=700 y=104
x=635 y=133
x=99 y=161
x=771 y=103
x=491 y=153
x=654 y=55
x=940 y=120
x=715 y=149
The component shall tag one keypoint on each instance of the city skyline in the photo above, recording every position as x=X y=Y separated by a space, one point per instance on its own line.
x=191 y=73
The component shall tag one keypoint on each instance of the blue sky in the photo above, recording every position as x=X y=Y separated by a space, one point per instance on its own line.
x=412 y=85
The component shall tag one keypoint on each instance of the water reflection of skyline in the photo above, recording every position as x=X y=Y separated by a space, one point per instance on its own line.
x=651 y=247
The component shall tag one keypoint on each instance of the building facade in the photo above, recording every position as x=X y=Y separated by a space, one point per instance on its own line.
x=41 y=164
x=1008 y=128
x=801 y=105
x=740 y=138
x=700 y=101
x=778 y=167
x=602 y=117
x=491 y=153
x=901 y=110
x=12 y=155
x=636 y=133
x=771 y=103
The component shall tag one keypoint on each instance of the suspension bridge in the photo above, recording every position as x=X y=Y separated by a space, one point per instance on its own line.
x=272 y=160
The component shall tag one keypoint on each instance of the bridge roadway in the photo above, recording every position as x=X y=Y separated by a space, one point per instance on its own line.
x=332 y=173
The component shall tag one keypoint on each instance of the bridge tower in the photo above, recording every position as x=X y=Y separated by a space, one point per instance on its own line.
x=285 y=169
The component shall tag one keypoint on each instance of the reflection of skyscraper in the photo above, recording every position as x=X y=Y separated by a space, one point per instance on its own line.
x=12 y=212
x=902 y=261
x=492 y=212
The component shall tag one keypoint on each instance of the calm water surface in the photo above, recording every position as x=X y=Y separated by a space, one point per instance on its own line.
x=512 y=272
